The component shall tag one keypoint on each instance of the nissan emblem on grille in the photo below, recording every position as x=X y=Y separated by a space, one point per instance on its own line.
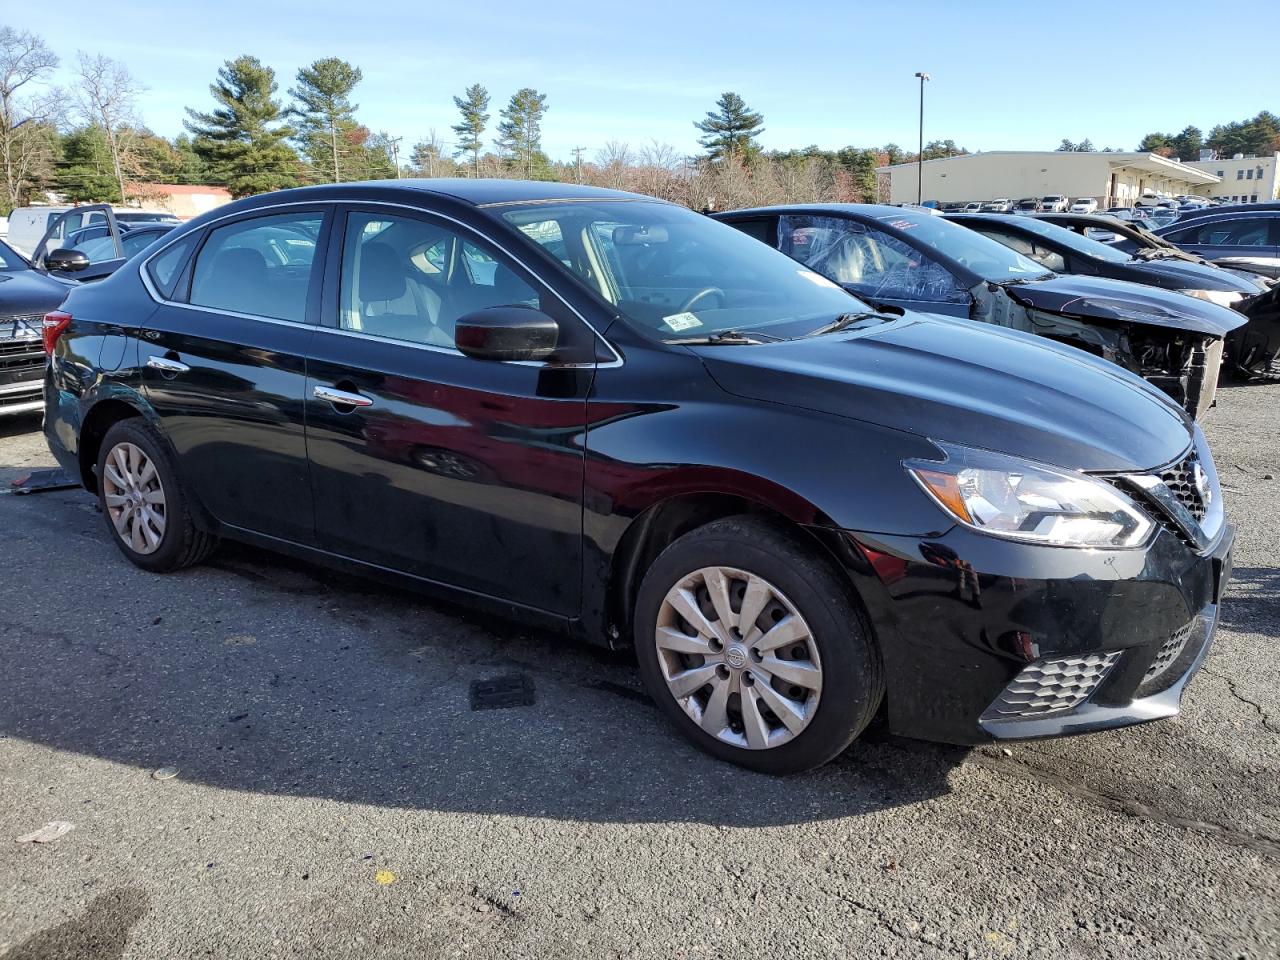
x=1189 y=483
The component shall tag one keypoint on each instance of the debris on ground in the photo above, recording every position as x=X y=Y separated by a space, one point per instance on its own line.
x=164 y=773
x=50 y=832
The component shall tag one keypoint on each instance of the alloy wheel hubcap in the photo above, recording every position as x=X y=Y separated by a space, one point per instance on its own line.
x=134 y=498
x=738 y=657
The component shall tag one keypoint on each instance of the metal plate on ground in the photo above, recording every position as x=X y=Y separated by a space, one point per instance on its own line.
x=40 y=481
x=499 y=693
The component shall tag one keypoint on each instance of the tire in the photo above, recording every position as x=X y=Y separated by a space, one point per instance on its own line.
x=834 y=637
x=154 y=534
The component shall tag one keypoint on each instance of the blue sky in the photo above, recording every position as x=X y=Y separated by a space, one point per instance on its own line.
x=1005 y=75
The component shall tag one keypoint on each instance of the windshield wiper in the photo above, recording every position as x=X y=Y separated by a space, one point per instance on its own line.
x=728 y=338
x=847 y=320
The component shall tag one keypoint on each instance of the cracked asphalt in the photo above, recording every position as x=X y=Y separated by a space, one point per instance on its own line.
x=336 y=796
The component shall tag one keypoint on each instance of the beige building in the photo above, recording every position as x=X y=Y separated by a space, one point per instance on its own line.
x=1113 y=179
x=181 y=199
x=1243 y=179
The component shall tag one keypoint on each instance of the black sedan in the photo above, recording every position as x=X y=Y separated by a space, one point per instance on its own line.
x=1250 y=350
x=26 y=295
x=916 y=261
x=606 y=414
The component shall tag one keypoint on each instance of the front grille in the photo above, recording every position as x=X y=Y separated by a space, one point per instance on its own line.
x=1169 y=651
x=21 y=355
x=1181 y=481
x=1051 y=686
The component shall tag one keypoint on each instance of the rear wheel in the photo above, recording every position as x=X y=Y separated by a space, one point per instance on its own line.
x=752 y=645
x=143 y=500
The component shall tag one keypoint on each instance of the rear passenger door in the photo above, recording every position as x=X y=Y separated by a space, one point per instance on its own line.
x=223 y=364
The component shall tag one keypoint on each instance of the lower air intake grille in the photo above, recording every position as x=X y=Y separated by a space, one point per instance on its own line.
x=1169 y=651
x=1051 y=686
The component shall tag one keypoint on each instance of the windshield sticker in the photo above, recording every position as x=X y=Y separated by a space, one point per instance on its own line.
x=901 y=224
x=682 y=321
x=817 y=279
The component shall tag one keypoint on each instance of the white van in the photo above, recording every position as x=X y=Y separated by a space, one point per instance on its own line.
x=27 y=225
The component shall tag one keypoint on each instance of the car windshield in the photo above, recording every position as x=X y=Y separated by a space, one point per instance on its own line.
x=992 y=261
x=10 y=261
x=1068 y=238
x=678 y=275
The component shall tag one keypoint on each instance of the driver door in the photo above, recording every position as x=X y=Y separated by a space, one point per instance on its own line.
x=105 y=254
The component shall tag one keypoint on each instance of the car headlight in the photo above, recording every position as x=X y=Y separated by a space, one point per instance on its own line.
x=1225 y=298
x=1008 y=497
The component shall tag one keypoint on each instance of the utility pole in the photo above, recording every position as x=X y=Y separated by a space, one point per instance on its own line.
x=395 y=153
x=577 y=162
x=920 y=155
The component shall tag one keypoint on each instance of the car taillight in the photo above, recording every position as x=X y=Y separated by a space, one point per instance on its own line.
x=55 y=325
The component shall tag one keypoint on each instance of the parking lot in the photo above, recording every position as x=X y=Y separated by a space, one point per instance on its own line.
x=336 y=792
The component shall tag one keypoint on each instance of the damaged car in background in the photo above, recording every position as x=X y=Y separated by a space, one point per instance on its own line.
x=1251 y=350
x=904 y=259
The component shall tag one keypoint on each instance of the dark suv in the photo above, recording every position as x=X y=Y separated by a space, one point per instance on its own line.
x=612 y=416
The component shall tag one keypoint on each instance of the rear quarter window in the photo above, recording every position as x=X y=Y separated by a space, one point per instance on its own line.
x=166 y=267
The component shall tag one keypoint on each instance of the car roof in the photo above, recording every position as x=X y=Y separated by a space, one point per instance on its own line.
x=870 y=211
x=477 y=192
x=1232 y=209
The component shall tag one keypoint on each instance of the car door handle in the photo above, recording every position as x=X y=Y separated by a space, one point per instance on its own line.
x=341 y=398
x=165 y=365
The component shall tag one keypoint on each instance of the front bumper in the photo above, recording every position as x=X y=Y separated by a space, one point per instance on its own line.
x=985 y=639
x=24 y=396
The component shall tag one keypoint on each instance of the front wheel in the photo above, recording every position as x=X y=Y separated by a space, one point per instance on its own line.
x=753 y=646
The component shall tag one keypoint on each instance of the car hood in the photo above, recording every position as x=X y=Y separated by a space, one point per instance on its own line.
x=1190 y=275
x=967 y=383
x=1101 y=299
x=25 y=292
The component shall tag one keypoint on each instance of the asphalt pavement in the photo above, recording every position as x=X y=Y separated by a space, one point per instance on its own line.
x=337 y=796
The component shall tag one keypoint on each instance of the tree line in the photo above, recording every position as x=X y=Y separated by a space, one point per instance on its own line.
x=88 y=142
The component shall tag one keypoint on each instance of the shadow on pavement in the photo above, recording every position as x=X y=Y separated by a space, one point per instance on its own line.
x=274 y=676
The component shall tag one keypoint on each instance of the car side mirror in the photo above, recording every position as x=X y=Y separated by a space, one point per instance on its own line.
x=506 y=333
x=66 y=260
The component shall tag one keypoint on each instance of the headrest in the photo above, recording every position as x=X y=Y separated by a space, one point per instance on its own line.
x=382 y=275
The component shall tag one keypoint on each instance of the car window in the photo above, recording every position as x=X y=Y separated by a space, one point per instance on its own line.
x=260 y=266
x=1243 y=232
x=166 y=267
x=875 y=263
x=1025 y=246
x=409 y=279
x=673 y=274
x=97 y=249
x=10 y=261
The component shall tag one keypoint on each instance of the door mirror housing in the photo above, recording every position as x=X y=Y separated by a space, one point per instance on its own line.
x=65 y=260
x=507 y=333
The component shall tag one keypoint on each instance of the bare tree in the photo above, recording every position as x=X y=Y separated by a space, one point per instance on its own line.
x=614 y=160
x=106 y=95
x=27 y=116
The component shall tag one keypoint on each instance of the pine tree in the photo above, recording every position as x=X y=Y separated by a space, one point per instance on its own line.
x=243 y=140
x=473 y=105
x=87 y=173
x=325 y=112
x=520 y=132
x=731 y=129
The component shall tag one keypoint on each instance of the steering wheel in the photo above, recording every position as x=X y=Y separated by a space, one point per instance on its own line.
x=704 y=292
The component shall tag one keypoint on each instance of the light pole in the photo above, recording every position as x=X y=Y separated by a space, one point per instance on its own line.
x=920 y=155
